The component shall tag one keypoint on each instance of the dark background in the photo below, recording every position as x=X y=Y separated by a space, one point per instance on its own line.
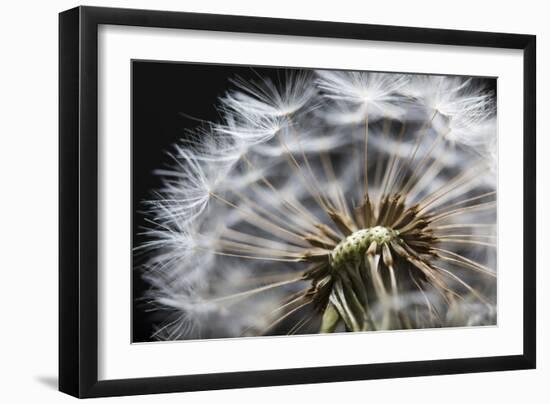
x=167 y=98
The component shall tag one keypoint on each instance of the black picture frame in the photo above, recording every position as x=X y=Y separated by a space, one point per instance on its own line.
x=78 y=206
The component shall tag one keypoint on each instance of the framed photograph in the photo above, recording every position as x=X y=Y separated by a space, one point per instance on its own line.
x=251 y=201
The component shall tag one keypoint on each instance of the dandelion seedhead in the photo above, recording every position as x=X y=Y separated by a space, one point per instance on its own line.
x=328 y=202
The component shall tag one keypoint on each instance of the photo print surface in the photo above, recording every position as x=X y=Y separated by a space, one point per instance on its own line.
x=285 y=201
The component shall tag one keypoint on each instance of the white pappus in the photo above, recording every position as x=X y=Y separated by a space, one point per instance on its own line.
x=328 y=201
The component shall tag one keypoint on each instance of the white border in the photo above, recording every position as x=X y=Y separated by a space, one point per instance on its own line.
x=119 y=359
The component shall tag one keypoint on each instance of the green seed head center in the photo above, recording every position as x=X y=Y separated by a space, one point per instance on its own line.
x=354 y=246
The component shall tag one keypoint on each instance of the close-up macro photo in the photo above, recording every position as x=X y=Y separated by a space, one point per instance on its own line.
x=311 y=201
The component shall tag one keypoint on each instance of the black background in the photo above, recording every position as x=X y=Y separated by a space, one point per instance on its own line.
x=167 y=99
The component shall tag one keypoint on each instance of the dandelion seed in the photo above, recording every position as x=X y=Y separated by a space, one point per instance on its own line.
x=463 y=111
x=265 y=98
x=372 y=93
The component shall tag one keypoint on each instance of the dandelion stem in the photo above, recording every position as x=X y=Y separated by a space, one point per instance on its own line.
x=330 y=319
